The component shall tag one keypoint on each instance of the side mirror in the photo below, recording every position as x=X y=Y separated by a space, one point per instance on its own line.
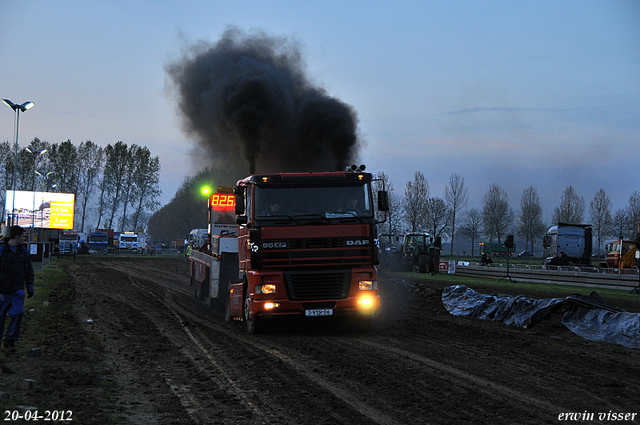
x=383 y=200
x=438 y=242
x=241 y=219
x=239 y=204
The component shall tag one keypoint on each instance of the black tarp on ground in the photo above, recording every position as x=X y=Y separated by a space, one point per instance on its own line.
x=586 y=316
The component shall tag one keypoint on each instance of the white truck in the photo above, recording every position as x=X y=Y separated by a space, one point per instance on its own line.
x=197 y=238
x=572 y=240
x=133 y=242
x=69 y=242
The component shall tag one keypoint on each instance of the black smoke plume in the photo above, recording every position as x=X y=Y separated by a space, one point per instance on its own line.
x=248 y=103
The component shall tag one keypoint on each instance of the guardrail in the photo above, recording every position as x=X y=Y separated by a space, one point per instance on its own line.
x=560 y=275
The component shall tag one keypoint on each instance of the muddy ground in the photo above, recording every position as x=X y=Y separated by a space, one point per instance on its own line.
x=136 y=349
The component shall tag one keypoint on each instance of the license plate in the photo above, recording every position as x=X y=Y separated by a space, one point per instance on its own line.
x=319 y=312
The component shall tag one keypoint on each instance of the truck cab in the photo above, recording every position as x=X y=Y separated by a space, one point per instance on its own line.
x=574 y=240
x=620 y=254
x=68 y=244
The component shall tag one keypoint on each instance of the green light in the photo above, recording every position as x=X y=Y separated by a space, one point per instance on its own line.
x=206 y=190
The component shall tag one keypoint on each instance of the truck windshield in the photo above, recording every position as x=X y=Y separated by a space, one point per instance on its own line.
x=128 y=238
x=327 y=202
x=416 y=240
x=69 y=237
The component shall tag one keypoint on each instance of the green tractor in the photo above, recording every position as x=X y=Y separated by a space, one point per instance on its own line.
x=419 y=250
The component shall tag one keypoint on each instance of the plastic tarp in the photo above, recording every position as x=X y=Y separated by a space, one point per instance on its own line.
x=586 y=316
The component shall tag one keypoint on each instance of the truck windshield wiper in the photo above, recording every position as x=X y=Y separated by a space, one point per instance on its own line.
x=279 y=217
x=312 y=216
x=343 y=214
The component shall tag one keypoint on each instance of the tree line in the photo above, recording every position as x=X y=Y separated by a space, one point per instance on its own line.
x=416 y=210
x=115 y=187
x=188 y=209
x=448 y=216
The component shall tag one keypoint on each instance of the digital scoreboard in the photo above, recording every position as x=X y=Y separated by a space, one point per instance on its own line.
x=223 y=199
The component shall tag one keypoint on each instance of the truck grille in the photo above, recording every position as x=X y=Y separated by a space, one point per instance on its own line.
x=319 y=251
x=318 y=285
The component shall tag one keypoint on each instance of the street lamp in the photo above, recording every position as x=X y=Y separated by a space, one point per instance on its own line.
x=35 y=154
x=17 y=109
x=45 y=177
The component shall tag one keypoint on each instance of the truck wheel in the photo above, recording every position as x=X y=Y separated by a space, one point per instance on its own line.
x=423 y=261
x=252 y=324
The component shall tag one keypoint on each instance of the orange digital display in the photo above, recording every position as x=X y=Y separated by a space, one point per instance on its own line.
x=222 y=201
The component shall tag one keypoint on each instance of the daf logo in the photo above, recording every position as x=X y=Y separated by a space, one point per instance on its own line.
x=361 y=242
x=268 y=245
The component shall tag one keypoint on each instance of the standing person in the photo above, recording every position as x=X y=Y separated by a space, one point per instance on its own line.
x=16 y=271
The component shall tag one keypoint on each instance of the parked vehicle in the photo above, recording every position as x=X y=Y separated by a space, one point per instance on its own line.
x=135 y=242
x=574 y=240
x=101 y=241
x=620 y=254
x=69 y=243
x=198 y=238
x=496 y=249
x=418 y=251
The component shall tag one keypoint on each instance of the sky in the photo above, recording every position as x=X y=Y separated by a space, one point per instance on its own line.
x=514 y=93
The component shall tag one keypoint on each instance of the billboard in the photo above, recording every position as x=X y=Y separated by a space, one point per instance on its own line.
x=47 y=210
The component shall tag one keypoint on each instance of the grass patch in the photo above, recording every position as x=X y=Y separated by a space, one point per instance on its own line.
x=69 y=374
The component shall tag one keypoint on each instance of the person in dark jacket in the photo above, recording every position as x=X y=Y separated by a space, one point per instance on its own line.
x=16 y=272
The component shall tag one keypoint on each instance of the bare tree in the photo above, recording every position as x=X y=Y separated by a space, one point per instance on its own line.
x=132 y=156
x=32 y=159
x=63 y=164
x=394 y=220
x=570 y=209
x=620 y=224
x=601 y=219
x=633 y=213
x=456 y=196
x=497 y=216
x=530 y=225
x=115 y=173
x=472 y=226
x=437 y=217
x=90 y=164
x=146 y=186
x=416 y=194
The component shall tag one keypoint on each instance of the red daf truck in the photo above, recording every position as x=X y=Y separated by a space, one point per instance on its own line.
x=303 y=244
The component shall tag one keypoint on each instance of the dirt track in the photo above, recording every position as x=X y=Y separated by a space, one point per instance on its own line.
x=171 y=361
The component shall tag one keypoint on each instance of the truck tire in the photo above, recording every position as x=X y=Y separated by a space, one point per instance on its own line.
x=253 y=324
x=423 y=262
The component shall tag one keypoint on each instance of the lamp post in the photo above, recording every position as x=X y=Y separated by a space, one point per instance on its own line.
x=17 y=109
x=35 y=154
x=45 y=177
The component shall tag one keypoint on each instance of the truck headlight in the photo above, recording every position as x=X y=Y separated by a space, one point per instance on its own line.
x=365 y=302
x=367 y=285
x=268 y=288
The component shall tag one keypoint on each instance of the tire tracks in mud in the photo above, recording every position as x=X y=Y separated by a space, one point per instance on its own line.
x=350 y=392
x=206 y=353
x=395 y=376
